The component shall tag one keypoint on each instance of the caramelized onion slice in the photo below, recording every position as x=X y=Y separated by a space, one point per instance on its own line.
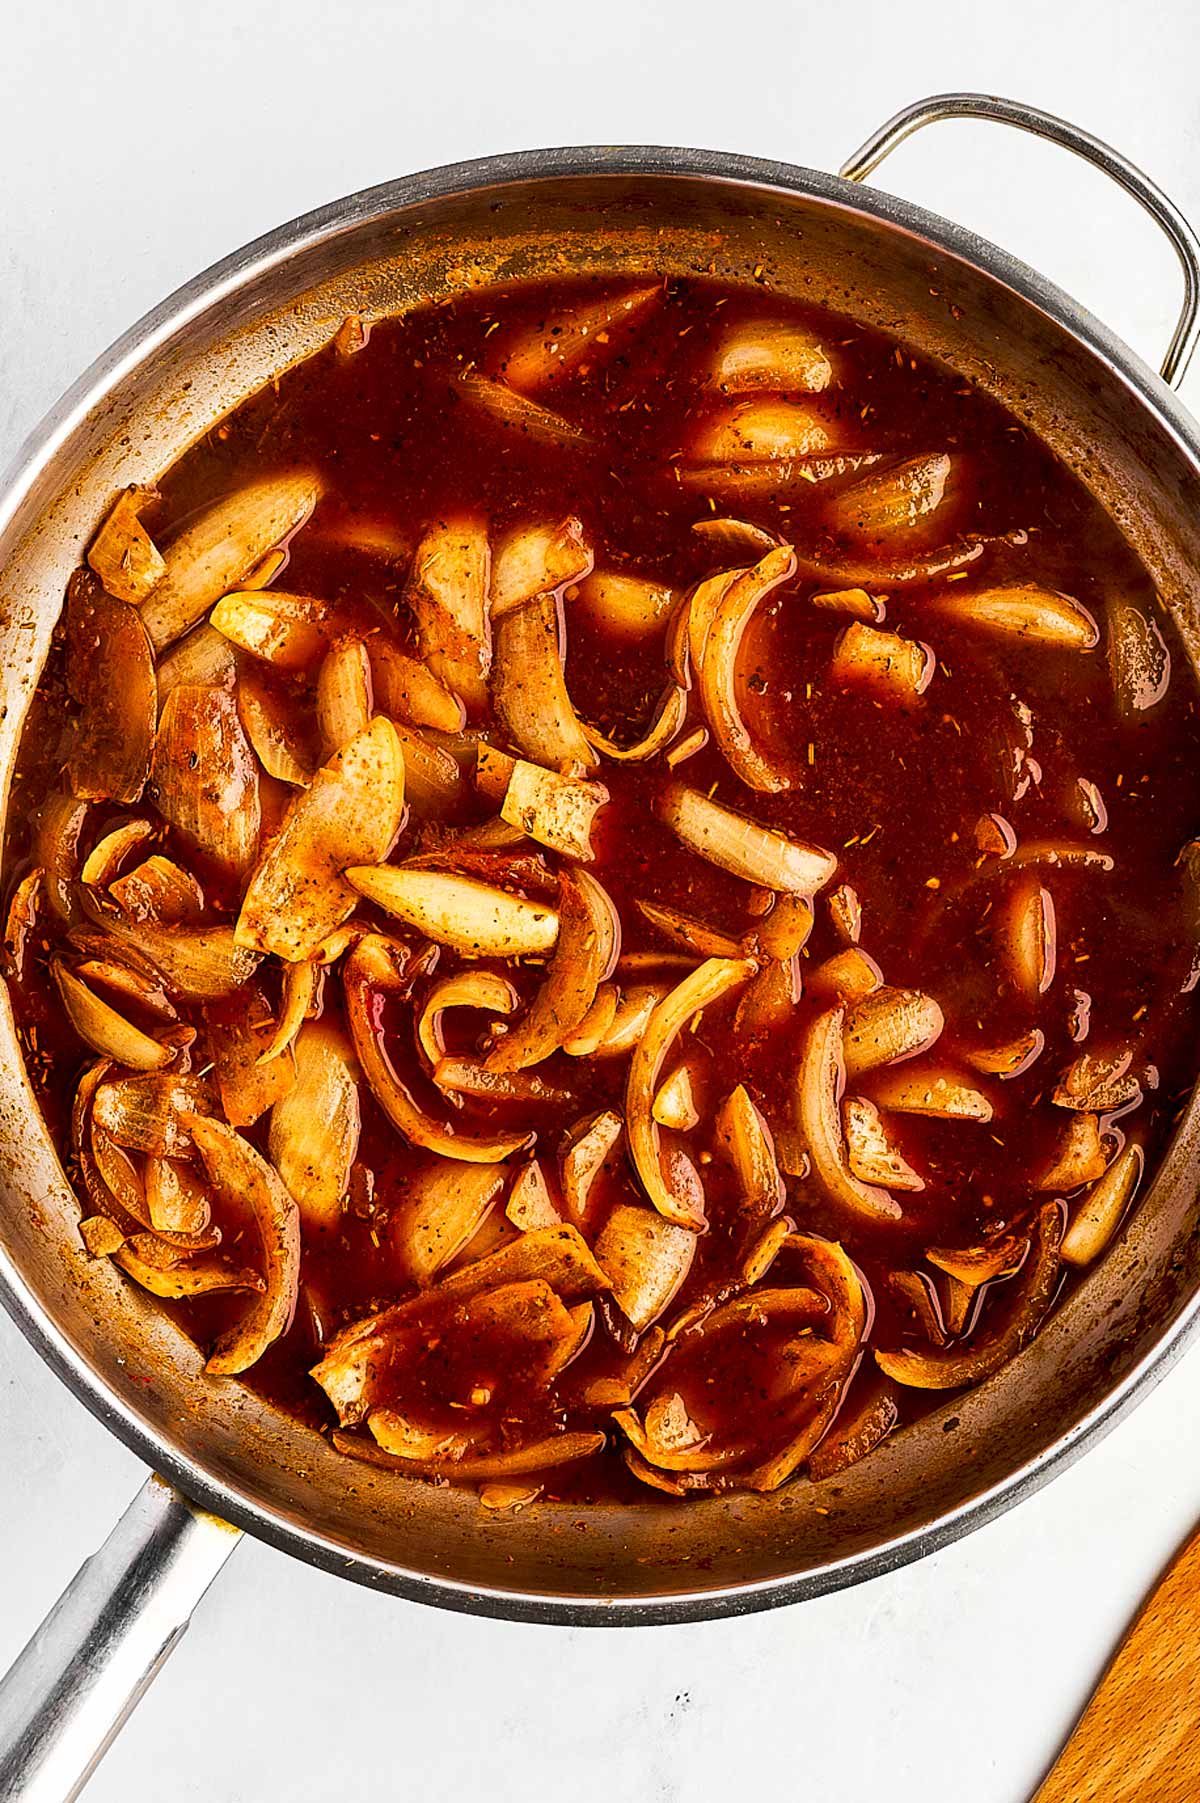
x=1139 y=659
x=160 y=891
x=586 y=950
x=767 y=429
x=476 y=919
x=237 y=1031
x=669 y=718
x=820 y=1080
x=785 y=930
x=538 y=1455
x=214 y=553
x=441 y=1208
x=717 y=672
x=104 y=860
x=236 y=1170
x=176 y=1200
x=204 y=656
x=349 y=816
x=646 y=1259
x=21 y=921
x=199 y=963
x=198 y=1277
x=529 y=690
x=467 y=1077
x=857 y=1430
x=678 y=1198
x=842 y=569
x=739 y=539
x=870 y=609
x=765 y=1005
x=902 y=508
x=1027 y=938
x=759 y=854
x=634 y=1008
x=1099 y=1080
x=447 y=595
x=628 y=608
x=688 y=934
x=530 y=1203
x=123 y=554
x=102 y=1028
x=1009 y=1058
x=405 y=690
x=58 y=826
x=482 y=989
x=939 y=1093
x=887 y=1026
x=589 y=332
x=883 y=662
x=1022 y=610
x=344 y=696
x=1026 y=1307
x=744 y=1137
x=110 y=674
x=537 y=560
x=515 y=414
x=433 y=781
x=849 y=976
x=558 y=811
x=974 y=1266
x=315 y=1125
x=152 y=1113
x=1079 y=1156
x=1097 y=1217
x=206 y=776
x=870 y=1153
x=373 y=967
x=774 y=354
x=592 y=1146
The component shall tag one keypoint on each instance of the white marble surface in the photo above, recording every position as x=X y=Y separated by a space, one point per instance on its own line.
x=139 y=142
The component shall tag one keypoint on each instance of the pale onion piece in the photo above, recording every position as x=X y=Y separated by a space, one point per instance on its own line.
x=1079 y=1156
x=857 y=1431
x=100 y=1235
x=1139 y=658
x=473 y=918
x=856 y=602
x=514 y=413
x=692 y=624
x=939 y=1093
x=123 y=554
x=1027 y=938
x=406 y=1439
x=537 y=560
x=529 y=1201
x=785 y=930
x=198 y=1277
x=902 y=508
x=529 y=690
x=468 y=1077
x=159 y=890
x=406 y=691
x=110 y=673
x=883 y=661
x=21 y=920
x=108 y=854
x=433 y=781
x=237 y=1031
x=674 y=1104
x=558 y=811
x=738 y=539
x=300 y=987
x=688 y=934
x=440 y=1208
x=757 y=853
x=129 y=1214
x=370 y=967
x=236 y=1170
x=973 y=1266
x=58 y=827
x=204 y=656
x=1020 y=610
x=210 y=557
x=344 y=695
x=315 y=1124
x=589 y=936
x=870 y=1153
x=206 y=776
x=744 y=1137
x=765 y=1004
x=820 y=1079
x=585 y=333
x=646 y=1259
x=481 y=989
x=447 y=595
x=350 y=815
x=538 y=1455
x=102 y=1028
x=766 y=429
x=592 y=1146
x=1096 y=1218
x=717 y=671
x=628 y=608
x=1098 y=1080
x=175 y=1197
x=715 y=978
x=150 y=1113
x=668 y=720
x=1028 y=1301
x=200 y=963
x=634 y=1008
x=287 y=631
x=851 y=975
x=889 y=1025
x=139 y=986
x=596 y=1024
x=775 y=354
x=1009 y=1058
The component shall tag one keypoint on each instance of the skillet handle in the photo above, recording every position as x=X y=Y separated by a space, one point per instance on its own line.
x=70 y=1691
x=1093 y=150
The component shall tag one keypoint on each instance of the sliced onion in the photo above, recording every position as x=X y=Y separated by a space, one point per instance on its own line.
x=628 y=608
x=883 y=662
x=820 y=1080
x=936 y=1092
x=123 y=554
x=106 y=857
x=591 y=1149
x=199 y=963
x=372 y=967
x=587 y=332
x=237 y=1031
x=1024 y=611
x=1097 y=1217
x=537 y=560
x=688 y=934
x=283 y=747
x=636 y=1005
x=177 y=1283
x=973 y=1266
x=765 y=1005
x=646 y=1259
x=699 y=989
x=110 y=674
x=447 y=594
x=1031 y=1295
x=236 y=1170
x=843 y=570
x=160 y=891
x=177 y=1202
x=717 y=672
x=102 y=1028
x=744 y=1137
x=204 y=656
x=849 y=976
x=214 y=553
x=538 y=1455
x=596 y=1024
x=887 y=1026
x=668 y=720
x=857 y=1431
x=467 y=1077
x=477 y=920
x=481 y=989
x=558 y=811
x=674 y=1103
x=514 y=414
x=351 y=815
x=1099 y=1080
x=902 y=508
x=1139 y=659
x=433 y=781
x=529 y=690
x=406 y=691
x=854 y=601
x=441 y=1208
x=870 y=1153
x=529 y=1201
x=315 y=1125
x=765 y=429
x=1026 y=938
x=738 y=539
x=206 y=776
x=1079 y=1156
x=1010 y=1058
x=152 y=1113
x=100 y=1235
x=756 y=853
x=58 y=827
x=586 y=950
x=785 y=930
x=21 y=921
x=344 y=695
x=774 y=354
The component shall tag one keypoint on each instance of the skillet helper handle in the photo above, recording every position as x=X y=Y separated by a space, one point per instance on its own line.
x=1102 y=156
x=88 y=1665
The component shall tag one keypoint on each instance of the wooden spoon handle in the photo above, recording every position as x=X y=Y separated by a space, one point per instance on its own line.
x=1139 y=1737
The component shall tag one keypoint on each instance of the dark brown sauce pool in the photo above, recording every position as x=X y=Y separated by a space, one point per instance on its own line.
x=896 y=793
